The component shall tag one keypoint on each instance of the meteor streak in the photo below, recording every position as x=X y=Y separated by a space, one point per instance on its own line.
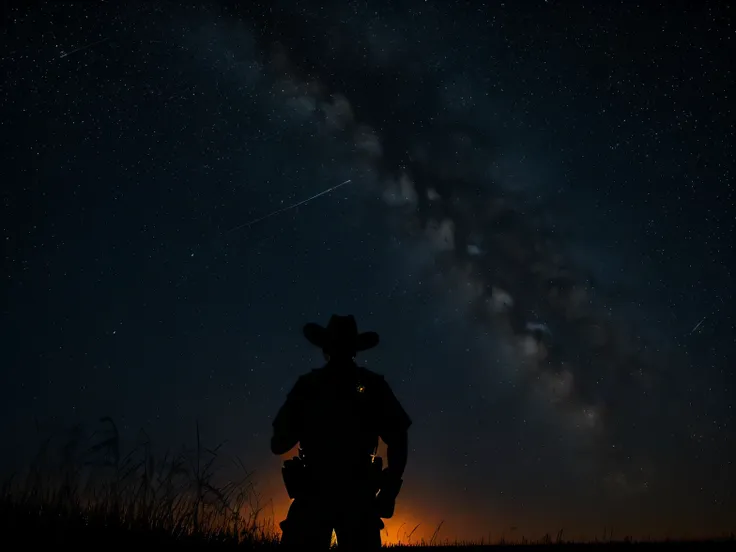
x=283 y=209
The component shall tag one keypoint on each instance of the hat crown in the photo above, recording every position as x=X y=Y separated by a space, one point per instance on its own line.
x=342 y=327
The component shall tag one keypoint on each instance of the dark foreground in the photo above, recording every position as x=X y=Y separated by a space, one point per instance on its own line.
x=50 y=526
x=668 y=545
x=84 y=491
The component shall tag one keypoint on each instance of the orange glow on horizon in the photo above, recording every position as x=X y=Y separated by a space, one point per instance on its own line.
x=397 y=530
x=413 y=521
x=420 y=511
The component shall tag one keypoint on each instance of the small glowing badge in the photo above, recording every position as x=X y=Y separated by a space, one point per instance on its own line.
x=360 y=388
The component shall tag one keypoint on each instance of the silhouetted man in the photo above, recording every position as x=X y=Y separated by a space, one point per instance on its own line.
x=337 y=413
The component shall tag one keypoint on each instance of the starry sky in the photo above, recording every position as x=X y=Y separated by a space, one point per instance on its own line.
x=539 y=224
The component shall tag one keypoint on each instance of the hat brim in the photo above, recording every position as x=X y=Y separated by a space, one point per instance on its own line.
x=366 y=340
x=319 y=337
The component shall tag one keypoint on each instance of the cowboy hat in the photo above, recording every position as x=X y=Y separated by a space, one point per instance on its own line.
x=341 y=333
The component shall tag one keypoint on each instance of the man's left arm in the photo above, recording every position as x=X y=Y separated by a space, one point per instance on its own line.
x=286 y=424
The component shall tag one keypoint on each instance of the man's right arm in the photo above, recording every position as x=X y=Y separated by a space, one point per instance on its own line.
x=397 y=452
x=394 y=431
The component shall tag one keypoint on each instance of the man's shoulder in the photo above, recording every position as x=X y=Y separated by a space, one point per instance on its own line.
x=315 y=374
x=366 y=376
x=319 y=376
x=370 y=375
x=307 y=380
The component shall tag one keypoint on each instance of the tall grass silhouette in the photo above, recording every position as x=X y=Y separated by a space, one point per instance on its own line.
x=81 y=488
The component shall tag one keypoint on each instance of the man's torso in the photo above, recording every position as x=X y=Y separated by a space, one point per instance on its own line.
x=340 y=410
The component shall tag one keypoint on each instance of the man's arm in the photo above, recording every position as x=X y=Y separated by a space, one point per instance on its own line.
x=286 y=424
x=394 y=424
x=281 y=443
x=394 y=430
x=397 y=451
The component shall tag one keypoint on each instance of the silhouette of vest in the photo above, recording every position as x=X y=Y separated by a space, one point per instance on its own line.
x=340 y=425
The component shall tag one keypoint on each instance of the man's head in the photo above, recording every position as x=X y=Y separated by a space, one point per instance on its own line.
x=340 y=338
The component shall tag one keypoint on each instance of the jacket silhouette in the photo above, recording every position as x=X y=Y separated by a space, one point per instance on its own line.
x=337 y=414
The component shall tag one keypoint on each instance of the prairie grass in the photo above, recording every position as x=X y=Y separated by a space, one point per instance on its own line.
x=82 y=490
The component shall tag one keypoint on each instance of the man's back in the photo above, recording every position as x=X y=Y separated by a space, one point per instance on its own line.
x=339 y=411
x=341 y=414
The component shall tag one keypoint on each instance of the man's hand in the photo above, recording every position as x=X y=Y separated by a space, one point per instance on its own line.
x=281 y=444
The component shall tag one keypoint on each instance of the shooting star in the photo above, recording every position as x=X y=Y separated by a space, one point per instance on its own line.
x=292 y=206
x=697 y=325
x=67 y=54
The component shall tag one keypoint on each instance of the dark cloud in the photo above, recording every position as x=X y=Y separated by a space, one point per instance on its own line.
x=491 y=243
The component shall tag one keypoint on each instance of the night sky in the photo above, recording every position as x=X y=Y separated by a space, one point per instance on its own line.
x=539 y=224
